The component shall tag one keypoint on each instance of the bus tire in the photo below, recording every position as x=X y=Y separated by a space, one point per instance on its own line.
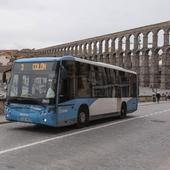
x=123 y=111
x=83 y=117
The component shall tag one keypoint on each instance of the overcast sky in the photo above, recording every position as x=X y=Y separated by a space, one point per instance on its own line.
x=42 y=23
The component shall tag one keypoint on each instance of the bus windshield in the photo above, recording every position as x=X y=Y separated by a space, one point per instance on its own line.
x=33 y=81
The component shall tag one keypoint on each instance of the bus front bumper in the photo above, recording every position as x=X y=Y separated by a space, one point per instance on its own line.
x=32 y=115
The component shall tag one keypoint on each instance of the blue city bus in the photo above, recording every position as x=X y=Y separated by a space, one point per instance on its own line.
x=60 y=91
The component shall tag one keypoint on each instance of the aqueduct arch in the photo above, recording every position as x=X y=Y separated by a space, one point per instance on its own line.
x=136 y=49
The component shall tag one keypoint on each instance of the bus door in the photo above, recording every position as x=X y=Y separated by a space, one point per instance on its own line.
x=118 y=97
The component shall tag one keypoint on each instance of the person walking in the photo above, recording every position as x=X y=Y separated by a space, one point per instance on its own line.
x=154 y=98
x=166 y=96
x=158 y=96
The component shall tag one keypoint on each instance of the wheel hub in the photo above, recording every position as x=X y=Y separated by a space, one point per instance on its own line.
x=82 y=117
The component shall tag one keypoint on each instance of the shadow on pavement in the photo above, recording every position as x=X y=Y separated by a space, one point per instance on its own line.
x=59 y=130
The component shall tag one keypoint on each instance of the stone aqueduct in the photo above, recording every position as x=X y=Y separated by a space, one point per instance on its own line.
x=145 y=50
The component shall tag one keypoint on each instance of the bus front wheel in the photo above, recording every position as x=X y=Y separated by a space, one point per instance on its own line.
x=82 y=118
x=123 y=111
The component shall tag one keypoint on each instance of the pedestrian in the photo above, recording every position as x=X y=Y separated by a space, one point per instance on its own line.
x=154 y=97
x=166 y=96
x=169 y=96
x=158 y=97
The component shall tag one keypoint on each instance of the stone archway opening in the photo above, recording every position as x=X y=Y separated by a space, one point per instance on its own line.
x=116 y=43
x=150 y=39
x=140 y=41
x=160 y=38
x=132 y=42
x=123 y=43
x=110 y=45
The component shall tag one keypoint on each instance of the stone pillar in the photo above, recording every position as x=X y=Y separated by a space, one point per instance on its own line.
x=106 y=46
x=84 y=50
x=113 y=46
x=136 y=43
x=155 y=39
x=99 y=55
x=94 y=57
x=95 y=48
x=80 y=51
x=119 y=59
x=107 y=59
x=59 y=52
x=165 y=70
x=127 y=43
x=100 y=47
x=135 y=62
x=127 y=57
x=154 y=70
x=113 y=59
x=55 y=52
x=166 y=37
x=119 y=54
x=76 y=51
x=64 y=51
x=145 y=41
x=120 y=44
x=106 y=55
x=103 y=58
x=72 y=50
x=68 y=50
x=127 y=61
x=94 y=51
x=90 y=49
x=144 y=70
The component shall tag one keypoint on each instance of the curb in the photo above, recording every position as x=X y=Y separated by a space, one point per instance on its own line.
x=4 y=122
x=150 y=103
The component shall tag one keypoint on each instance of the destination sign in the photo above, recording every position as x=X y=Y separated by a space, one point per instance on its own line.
x=27 y=67
x=39 y=66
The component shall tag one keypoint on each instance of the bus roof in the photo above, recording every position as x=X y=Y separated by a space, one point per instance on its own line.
x=71 y=58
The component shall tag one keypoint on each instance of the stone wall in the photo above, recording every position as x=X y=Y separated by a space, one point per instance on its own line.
x=8 y=74
x=2 y=104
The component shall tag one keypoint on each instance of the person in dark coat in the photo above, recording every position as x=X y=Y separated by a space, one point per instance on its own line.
x=158 y=96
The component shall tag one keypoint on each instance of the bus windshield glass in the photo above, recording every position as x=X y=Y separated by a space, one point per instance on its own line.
x=35 y=81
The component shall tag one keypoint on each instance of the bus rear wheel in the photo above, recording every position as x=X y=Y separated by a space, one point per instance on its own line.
x=123 y=111
x=82 y=118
